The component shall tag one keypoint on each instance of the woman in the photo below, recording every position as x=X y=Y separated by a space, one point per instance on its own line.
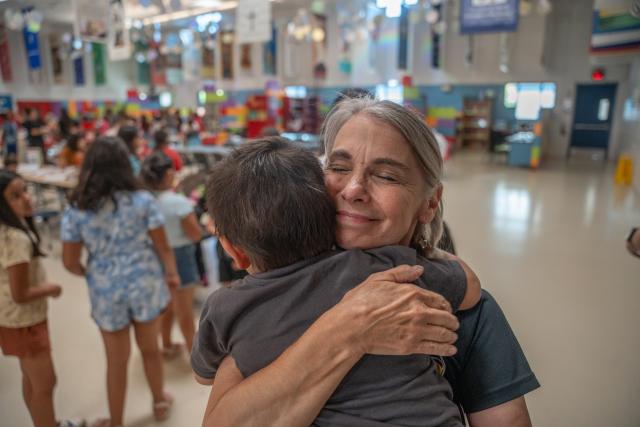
x=380 y=156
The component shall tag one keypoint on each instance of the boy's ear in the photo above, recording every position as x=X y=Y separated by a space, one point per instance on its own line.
x=239 y=256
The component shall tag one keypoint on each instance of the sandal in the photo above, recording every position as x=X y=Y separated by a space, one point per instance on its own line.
x=101 y=422
x=172 y=351
x=162 y=409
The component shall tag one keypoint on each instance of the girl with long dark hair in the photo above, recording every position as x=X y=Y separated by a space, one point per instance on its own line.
x=24 y=331
x=123 y=231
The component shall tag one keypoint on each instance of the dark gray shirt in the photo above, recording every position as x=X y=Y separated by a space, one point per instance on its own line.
x=256 y=319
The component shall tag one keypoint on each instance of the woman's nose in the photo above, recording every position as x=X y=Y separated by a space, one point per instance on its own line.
x=355 y=190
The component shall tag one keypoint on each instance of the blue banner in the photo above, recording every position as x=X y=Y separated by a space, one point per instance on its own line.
x=488 y=16
x=78 y=70
x=33 y=49
x=403 y=38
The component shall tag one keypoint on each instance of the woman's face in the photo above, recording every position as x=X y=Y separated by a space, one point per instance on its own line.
x=18 y=198
x=375 y=180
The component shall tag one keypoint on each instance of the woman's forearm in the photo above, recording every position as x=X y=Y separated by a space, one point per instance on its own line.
x=293 y=389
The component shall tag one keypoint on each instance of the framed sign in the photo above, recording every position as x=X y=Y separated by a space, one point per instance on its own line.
x=488 y=16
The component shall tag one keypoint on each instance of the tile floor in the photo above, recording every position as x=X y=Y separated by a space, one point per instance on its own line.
x=549 y=245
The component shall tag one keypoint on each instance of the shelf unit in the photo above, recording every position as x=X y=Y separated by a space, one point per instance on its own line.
x=475 y=122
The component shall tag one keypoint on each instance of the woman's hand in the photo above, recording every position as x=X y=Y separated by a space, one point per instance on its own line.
x=390 y=316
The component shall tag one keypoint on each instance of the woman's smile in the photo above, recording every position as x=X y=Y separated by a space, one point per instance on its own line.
x=348 y=217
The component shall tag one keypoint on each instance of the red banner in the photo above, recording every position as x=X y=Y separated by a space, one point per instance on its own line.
x=5 y=58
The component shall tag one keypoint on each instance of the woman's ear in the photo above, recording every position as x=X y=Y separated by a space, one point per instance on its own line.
x=239 y=256
x=430 y=206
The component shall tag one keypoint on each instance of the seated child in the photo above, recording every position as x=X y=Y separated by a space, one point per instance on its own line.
x=274 y=217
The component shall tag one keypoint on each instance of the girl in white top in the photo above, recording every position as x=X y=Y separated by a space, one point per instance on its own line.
x=24 y=331
x=183 y=231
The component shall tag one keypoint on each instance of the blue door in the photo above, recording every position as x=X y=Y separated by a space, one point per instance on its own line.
x=593 y=114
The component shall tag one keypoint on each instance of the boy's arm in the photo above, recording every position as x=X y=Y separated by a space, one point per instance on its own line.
x=472 y=294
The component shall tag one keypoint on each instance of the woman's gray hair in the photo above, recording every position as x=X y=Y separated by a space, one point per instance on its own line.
x=420 y=139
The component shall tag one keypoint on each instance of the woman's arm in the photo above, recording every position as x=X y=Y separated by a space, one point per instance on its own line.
x=161 y=245
x=510 y=414
x=71 y=254
x=383 y=315
x=191 y=227
x=21 y=292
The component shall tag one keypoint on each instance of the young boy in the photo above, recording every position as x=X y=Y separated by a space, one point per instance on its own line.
x=274 y=217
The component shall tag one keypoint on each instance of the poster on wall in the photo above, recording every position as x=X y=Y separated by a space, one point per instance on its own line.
x=488 y=16
x=99 y=63
x=226 y=51
x=56 y=51
x=253 y=21
x=5 y=56
x=269 y=54
x=614 y=30
x=118 y=37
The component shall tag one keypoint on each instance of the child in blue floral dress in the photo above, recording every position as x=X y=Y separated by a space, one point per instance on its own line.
x=122 y=229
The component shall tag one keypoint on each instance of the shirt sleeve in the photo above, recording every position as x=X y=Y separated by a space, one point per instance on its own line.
x=208 y=349
x=490 y=367
x=17 y=249
x=154 y=217
x=183 y=206
x=446 y=278
x=69 y=230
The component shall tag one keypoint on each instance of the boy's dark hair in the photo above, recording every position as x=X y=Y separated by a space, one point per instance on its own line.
x=268 y=198
x=128 y=134
x=105 y=170
x=154 y=169
x=161 y=138
x=9 y=218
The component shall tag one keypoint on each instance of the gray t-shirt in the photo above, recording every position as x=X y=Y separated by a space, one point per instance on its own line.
x=256 y=319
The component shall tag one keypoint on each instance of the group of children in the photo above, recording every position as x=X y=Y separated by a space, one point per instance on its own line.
x=140 y=269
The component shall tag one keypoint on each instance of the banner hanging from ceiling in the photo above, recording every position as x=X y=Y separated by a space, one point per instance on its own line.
x=269 y=54
x=92 y=20
x=208 y=70
x=118 y=37
x=78 y=70
x=5 y=56
x=226 y=53
x=253 y=21
x=488 y=16
x=99 y=64
x=57 y=65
